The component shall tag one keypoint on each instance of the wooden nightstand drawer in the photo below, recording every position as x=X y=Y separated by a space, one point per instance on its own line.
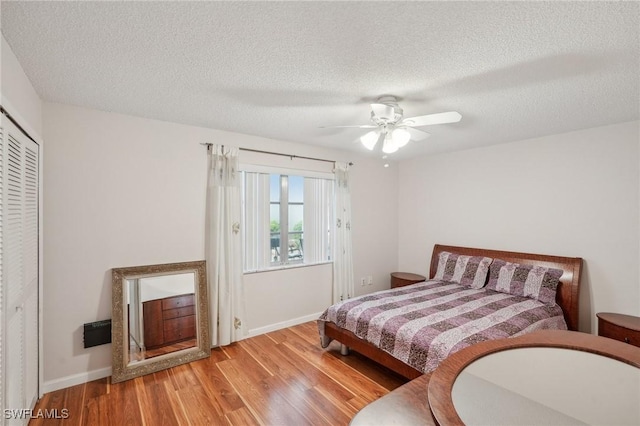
x=180 y=328
x=179 y=312
x=178 y=301
x=625 y=328
x=400 y=279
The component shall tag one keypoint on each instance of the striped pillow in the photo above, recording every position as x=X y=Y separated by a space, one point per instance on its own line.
x=535 y=282
x=470 y=271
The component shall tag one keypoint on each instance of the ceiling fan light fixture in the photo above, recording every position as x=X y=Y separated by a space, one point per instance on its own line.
x=389 y=146
x=369 y=140
x=400 y=137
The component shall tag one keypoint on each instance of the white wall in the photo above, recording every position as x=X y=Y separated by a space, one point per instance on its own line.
x=124 y=191
x=573 y=194
x=374 y=199
x=284 y=297
x=152 y=288
x=18 y=95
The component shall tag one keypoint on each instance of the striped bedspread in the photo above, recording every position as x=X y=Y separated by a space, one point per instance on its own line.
x=423 y=323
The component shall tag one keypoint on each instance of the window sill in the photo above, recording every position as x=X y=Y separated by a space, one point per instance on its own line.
x=289 y=266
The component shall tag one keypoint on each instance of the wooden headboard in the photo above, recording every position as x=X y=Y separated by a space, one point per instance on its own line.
x=568 y=290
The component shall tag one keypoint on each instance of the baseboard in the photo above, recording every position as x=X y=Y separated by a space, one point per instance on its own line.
x=76 y=379
x=284 y=324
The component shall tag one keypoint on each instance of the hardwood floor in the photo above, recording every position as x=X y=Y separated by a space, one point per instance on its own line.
x=279 y=378
x=162 y=350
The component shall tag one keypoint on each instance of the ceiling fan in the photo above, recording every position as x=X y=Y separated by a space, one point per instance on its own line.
x=395 y=131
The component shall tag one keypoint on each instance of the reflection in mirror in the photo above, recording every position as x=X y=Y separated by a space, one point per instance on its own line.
x=160 y=317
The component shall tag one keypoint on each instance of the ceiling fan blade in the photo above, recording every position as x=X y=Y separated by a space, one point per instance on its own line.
x=363 y=126
x=417 y=135
x=427 y=120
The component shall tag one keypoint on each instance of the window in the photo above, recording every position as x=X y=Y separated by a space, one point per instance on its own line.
x=286 y=220
x=286 y=202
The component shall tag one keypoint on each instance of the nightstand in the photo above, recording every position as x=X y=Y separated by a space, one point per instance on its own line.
x=625 y=328
x=400 y=279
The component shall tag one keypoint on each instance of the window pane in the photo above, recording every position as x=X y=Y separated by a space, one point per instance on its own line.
x=296 y=236
x=274 y=217
x=296 y=203
x=296 y=218
x=274 y=188
x=296 y=215
x=296 y=189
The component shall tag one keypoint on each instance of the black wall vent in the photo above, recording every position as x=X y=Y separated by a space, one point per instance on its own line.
x=97 y=333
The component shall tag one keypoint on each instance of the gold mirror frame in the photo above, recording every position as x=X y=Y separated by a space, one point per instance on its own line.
x=121 y=368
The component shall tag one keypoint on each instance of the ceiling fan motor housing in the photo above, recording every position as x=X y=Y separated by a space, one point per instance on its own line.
x=386 y=111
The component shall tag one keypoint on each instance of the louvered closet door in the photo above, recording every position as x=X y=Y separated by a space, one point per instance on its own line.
x=19 y=269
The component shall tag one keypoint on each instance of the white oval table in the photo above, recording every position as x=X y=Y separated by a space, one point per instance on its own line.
x=543 y=378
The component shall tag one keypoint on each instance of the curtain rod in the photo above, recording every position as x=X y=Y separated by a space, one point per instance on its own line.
x=208 y=145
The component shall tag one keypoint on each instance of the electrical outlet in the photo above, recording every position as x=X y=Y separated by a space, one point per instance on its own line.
x=362 y=281
x=370 y=280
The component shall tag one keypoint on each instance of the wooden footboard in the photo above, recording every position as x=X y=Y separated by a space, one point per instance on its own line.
x=367 y=349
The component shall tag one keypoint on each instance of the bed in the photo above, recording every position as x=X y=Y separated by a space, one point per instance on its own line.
x=460 y=309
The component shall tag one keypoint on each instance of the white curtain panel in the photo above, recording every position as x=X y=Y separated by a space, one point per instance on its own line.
x=343 y=285
x=224 y=247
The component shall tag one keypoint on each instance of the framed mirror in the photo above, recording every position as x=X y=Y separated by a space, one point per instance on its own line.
x=160 y=318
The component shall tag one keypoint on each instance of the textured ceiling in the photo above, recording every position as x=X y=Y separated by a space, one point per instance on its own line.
x=283 y=69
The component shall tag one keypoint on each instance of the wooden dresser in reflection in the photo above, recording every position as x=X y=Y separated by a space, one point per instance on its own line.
x=169 y=320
